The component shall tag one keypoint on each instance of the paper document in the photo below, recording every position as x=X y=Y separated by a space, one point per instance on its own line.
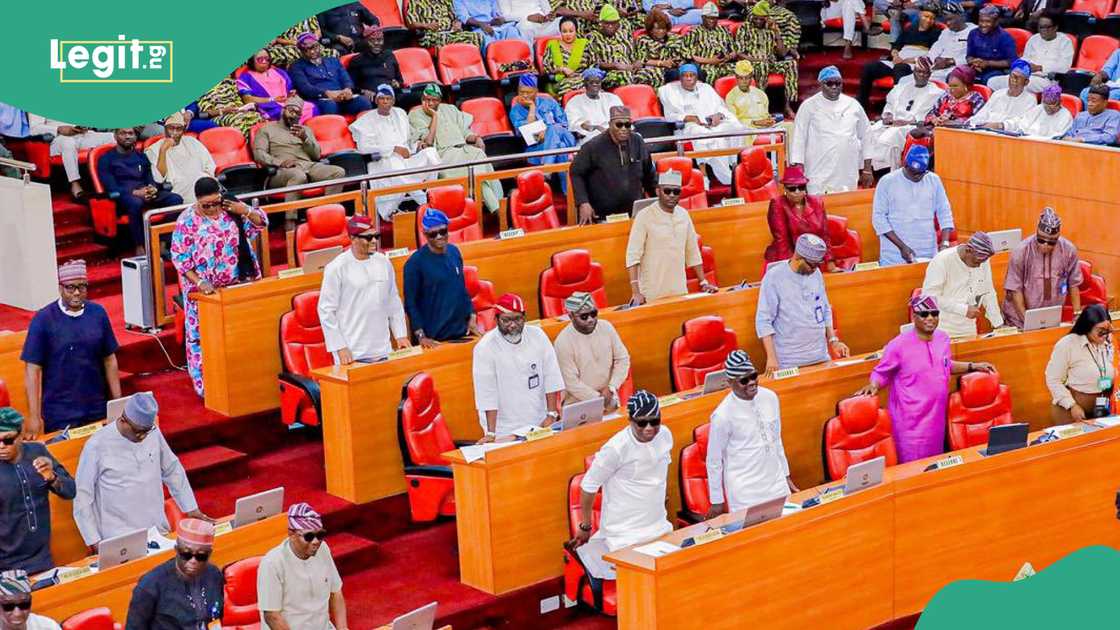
x=159 y=539
x=529 y=131
x=591 y=554
x=475 y=452
x=657 y=549
x=1110 y=421
x=790 y=508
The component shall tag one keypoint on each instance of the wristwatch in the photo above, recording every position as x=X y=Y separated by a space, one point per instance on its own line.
x=554 y=414
x=833 y=339
x=584 y=527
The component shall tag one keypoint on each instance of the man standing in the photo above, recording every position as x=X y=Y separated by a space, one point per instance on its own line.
x=28 y=475
x=745 y=451
x=916 y=365
x=121 y=475
x=294 y=151
x=701 y=109
x=1046 y=53
x=828 y=136
x=516 y=375
x=15 y=604
x=298 y=586
x=179 y=160
x=66 y=140
x=592 y=357
x=662 y=244
x=324 y=81
x=127 y=173
x=435 y=296
x=1097 y=124
x=359 y=305
x=990 y=48
x=184 y=593
x=70 y=352
x=1043 y=270
x=906 y=204
x=907 y=103
x=612 y=171
x=794 y=319
x=960 y=278
x=589 y=113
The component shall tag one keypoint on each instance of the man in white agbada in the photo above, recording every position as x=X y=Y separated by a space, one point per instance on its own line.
x=961 y=279
x=516 y=374
x=359 y=305
x=632 y=469
x=1047 y=119
x=745 y=452
x=907 y=103
x=1047 y=52
x=951 y=48
x=178 y=159
x=383 y=133
x=121 y=475
x=534 y=18
x=701 y=109
x=1008 y=103
x=828 y=136
x=589 y=113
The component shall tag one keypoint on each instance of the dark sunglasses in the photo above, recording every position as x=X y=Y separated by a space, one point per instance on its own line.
x=795 y=187
x=670 y=191
x=833 y=83
x=8 y=441
x=185 y=555
x=925 y=314
x=1044 y=241
x=748 y=380
x=589 y=315
x=309 y=536
x=652 y=422
x=9 y=607
x=622 y=124
x=369 y=238
x=436 y=233
x=74 y=288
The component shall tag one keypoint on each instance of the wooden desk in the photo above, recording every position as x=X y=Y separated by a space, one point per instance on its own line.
x=511 y=508
x=12 y=368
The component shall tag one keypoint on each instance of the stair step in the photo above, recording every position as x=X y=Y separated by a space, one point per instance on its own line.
x=214 y=464
x=66 y=233
x=88 y=251
x=67 y=211
x=352 y=553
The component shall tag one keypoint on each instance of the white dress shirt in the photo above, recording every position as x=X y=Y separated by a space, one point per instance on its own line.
x=186 y=163
x=515 y=378
x=956 y=287
x=359 y=306
x=745 y=451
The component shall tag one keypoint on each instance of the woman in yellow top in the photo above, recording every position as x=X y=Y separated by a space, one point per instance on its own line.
x=566 y=58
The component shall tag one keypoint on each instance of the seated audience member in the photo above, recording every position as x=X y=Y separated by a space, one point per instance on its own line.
x=592 y=357
x=794 y=318
x=533 y=18
x=662 y=244
x=699 y=107
x=1031 y=13
x=324 y=81
x=374 y=66
x=959 y=103
x=659 y=49
x=1012 y=102
x=1042 y=272
x=745 y=451
x=584 y=12
x=632 y=470
x=516 y=376
x=907 y=104
x=66 y=140
x=298 y=585
x=589 y=113
x=121 y=475
x=184 y=593
x=28 y=476
x=1048 y=52
x=283 y=49
x=907 y=202
x=961 y=279
x=1048 y=119
x=359 y=304
x=448 y=129
x=346 y=25
x=1080 y=372
x=828 y=138
x=384 y=134
x=127 y=172
x=70 y=356
x=913 y=44
x=529 y=107
x=951 y=48
x=223 y=106
x=209 y=252
x=566 y=60
x=916 y=365
x=710 y=45
x=179 y=160
x=677 y=12
x=1097 y=124
x=15 y=604
x=436 y=24
x=792 y=214
x=612 y=171
x=268 y=87
x=485 y=18
x=435 y=296
x=850 y=13
x=746 y=101
x=763 y=41
x=991 y=49
x=615 y=52
x=1108 y=76
x=293 y=149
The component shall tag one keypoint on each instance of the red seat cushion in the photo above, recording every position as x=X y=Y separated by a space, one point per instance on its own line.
x=530 y=204
x=423 y=429
x=302 y=348
x=93 y=619
x=641 y=99
x=702 y=348
x=325 y=227
x=241 y=592
x=332 y=133
x=461 y=211
x=506 y=51
x=457 y=62
x=482 y=298
x=571 y=271
x=860 y=431
x=488 y=116
x=844 y=244
x=754 y=176
x=694 y=473
x=416 y=66
x=981 y=403
x=227 y=146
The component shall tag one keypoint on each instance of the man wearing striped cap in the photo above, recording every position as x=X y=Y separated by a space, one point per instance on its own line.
x=515 y=374
x=961 y=279
x=1042 y=271
x=592 y=357
x=746 y=459
x=298 y=586
x=184 y=593
x=15 y=604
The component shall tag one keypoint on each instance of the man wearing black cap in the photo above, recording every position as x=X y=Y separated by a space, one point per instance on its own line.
x=612 y=170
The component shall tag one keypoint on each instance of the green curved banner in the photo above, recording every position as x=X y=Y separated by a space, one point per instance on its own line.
x=131 y=62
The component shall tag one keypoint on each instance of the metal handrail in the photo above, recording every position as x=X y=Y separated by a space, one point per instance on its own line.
x=26 y=167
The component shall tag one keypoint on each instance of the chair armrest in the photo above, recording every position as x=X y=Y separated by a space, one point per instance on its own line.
x=308 y=385
x=690 y=517
x=462 y=443
x=429 y=471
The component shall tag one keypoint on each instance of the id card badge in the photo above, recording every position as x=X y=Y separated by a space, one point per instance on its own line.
x=214 y=625
x=1104 y=383
x=534 y=381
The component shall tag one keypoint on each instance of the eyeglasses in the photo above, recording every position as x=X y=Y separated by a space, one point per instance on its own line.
x=671 y=191
x=652 y=422
x=1047 y=28
x=834 y=84
x=622 y=124
x=925 y=314
x=1103 y=332
x=589 y=315
x=9 y=607
x=8 y=441
x=1045 y=241
x=436 y=233
x=186 y=554
x=210 y=204
x=794 y=187
x=747 y=380
x=369 y=238
x=310 y=536
x=75 y=288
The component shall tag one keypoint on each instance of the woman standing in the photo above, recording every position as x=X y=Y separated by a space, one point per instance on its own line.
x=959 y=103
x=268 y=87
x=795 y=213
x=566 y=58
x=1081 y=369
x=659 y=49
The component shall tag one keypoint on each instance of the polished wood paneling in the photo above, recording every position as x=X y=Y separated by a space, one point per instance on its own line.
x=12 y=368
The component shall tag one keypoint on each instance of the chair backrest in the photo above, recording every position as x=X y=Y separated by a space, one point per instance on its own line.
x=843 y=243
x=482 y=298
x=5 y=397
x=94 y=159
x=422 y=430
x=641 y=99
x=723 y=85
x=860 y=431
x=575 y=511
x=694 y=472
x=540 y=48
x=693 y=195
x=708 y=260
x=1020 y=36
x=149 y=142
x=241 y=593
x=570 y=271
x=1093 y=289
x=1095 y=50
x=416 y=66
x=980 y=403
x=1096 y=8
x=569 y=95
x=461 y=211
x=227 y=146
x=1073 y=104
x=530 y=204
x=702 y=348
x=325 y=227
x=386 y=11
x=488 y=116
x=92 y=619
x=506 y=51
x=457 y=62
x=332 y=132
x=983 y=90
x=302 y=347
x=754 y=176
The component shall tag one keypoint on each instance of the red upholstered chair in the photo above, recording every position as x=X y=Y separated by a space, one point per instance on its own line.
x=459 y=62
x=482 y=298
x=461 y=211
x=489 y=116
x=102 y=208
x=641 y=99
x=5 y=397
x=577 y=586
x=1073 y=104
x=1082 y=15
x=530 y=204
x=723 y=85
x=843 y=244
x=38 y=153
x=92 y=619
x=1020 y=36
x=708 y=256
x=325 y=227
x=860 y=431
x=172 y=512
x=695 y=498
x=416 y=66
x=693 y=195
x=240 y=607
x=302 y=349
x=506 y=51
x=570 y=271
x=423 y=435
x=1094 y=52
x=336 y=143
x=388 y=12
x=1093 y=290
x=754 y=176
x=983 y=90
x=233 y=159
x=703 y=347
x=980 y=403
x=540 y=48
x=569 y=95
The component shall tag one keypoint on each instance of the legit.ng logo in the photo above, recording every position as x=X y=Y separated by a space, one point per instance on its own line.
x=121 y=60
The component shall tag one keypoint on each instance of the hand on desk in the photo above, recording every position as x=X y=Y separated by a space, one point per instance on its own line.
x=199 y=515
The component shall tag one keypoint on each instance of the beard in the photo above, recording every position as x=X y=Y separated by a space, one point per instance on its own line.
x=513 y=337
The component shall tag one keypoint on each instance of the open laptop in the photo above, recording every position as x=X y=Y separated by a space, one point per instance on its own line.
x=1006 y=437
x=758 y=513
x=121 y=549
x=581 y=413
x=642 y=204
x=257 y=507
x=114 y=409
x=1039 y=318
x=1005 y=240
x=864 y=475
x=423 y=618
x=715 y=381
x=314 y=262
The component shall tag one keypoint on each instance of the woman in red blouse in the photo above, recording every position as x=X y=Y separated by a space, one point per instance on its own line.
x=793 y=214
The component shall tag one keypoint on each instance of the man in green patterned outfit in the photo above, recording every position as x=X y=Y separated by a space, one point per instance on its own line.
x=614 y=52
x=437 y=24
x=711 y=46
x=760 y=42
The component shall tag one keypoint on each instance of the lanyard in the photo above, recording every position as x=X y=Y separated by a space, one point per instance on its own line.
x=1102 y=366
